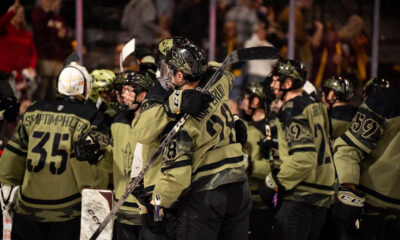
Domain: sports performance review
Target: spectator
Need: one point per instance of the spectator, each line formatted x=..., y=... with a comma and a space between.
x=258, y=70
x=244, y=15
x=51, y=38
x=300, y=33
x=228, y=44
x=327, y=54
x=354, y=46
x=17, y=48
x=139, y=19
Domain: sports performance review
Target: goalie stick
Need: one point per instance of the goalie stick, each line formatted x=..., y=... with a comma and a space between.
x=247, y=54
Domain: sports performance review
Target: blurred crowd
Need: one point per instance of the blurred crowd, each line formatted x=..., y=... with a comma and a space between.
x=33, y=52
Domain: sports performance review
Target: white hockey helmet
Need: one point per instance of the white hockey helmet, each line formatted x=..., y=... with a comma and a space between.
x=74, y=80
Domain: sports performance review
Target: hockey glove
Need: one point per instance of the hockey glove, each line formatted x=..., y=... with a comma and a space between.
x=269, y=190
x=88, y=148
x=190, y=101
x=144, y=197
x=241, y=131
x=266, y=147
x=11, y=107
x=348, y=208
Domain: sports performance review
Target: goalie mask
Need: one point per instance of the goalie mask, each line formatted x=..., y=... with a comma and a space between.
x=74, y=81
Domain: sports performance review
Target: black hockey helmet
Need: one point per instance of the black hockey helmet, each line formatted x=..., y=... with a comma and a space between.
x=373, y=85
x=165, y=45
x=188, y=58
x=139, y=81
x=292, y=69
x=341, y=86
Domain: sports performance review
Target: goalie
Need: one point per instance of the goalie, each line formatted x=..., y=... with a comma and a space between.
x=41, y=159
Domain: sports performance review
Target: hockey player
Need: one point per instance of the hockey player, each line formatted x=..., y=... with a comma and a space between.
x=41, y=158
x=367, y=164
x=337, y=94
x=127, y=154
x=258, y=164
x=304, y=181
x=202, y=173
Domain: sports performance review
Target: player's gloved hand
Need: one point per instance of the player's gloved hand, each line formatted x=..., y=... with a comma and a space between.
x=144, y=197
x=241, y=131
x=11, y=107
x=189, y=101
x=349, y=209
x=87, y=148
x=269, y=190
x=266, y=147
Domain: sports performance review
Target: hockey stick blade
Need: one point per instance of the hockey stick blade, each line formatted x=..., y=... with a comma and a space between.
x=247, y=54
x=254, y=53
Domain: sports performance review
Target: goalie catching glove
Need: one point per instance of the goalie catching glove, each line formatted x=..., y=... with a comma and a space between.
x=90, y=147
x=348, y=208
x=189, y=101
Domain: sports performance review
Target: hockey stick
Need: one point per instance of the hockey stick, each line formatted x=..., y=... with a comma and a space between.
x=125, y=52
x=247, y=54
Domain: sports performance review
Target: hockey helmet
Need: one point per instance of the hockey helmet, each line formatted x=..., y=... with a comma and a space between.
x=164, y=46
x=373, y=85
x=140, y=82
x=74, y=80
x=341, y=86
x=103, y=80
x=292, y=69
x=188, y=58
x=255, y=89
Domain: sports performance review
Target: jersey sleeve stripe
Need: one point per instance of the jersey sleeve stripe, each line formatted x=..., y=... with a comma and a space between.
x=379, y=196
x=349, y=142
x=303, y=149
x=218, y=164
x=177, y=165
x=50, y=202
x=16, y=151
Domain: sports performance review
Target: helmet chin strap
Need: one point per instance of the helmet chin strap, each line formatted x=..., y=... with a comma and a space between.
x=177, y=87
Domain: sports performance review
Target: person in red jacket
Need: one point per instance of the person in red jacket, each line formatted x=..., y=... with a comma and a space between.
x=17, y=48
x=50, y=33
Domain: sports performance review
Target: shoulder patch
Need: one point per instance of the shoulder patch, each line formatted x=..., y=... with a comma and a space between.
x=293, y=108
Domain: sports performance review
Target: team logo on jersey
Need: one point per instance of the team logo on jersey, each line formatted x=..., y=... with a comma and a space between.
x=127, y=156
x=60, y=107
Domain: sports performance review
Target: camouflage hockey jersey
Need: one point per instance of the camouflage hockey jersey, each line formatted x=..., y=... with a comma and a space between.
x=257, y=167
x=368, y=153
x=204, y=154
x=307, y=171
x=148, y=127
x=125, y=152
x=341, y=117
x=40, y=158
